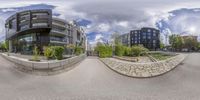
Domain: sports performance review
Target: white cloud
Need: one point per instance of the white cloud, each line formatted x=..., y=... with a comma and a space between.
x=108, y=16
x=7, y=9
x=103, y=27
x=98, y=38
x=123, y=24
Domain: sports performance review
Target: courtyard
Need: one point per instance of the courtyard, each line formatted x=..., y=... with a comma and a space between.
x=92, y=80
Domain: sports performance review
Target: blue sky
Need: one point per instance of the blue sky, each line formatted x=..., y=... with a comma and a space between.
x=100, y=18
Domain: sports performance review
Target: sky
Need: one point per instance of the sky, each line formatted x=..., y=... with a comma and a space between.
x=101, y=18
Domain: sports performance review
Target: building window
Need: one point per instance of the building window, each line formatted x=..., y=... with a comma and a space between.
x=24, y=27
x=154, y=34
x=148, y=30
x=154, y=41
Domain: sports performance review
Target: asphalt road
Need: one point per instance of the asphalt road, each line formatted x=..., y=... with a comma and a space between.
x=92, y=80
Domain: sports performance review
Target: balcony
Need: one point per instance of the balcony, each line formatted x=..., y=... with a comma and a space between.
x=57, y=33
x=38, y=25
x=40, y=17
x=59, y=25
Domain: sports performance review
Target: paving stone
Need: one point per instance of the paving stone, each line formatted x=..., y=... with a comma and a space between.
x=143, y=69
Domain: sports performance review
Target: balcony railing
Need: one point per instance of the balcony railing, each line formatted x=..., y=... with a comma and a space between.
x=56, y=32
x=60, y=25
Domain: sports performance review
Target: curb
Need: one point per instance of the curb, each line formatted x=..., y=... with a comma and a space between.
x=141, y=77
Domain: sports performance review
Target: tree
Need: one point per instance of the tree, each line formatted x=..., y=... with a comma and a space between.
x=78, y=50
x=127, y=51
x=138, y=50
x=162, y=45
x=7, y=45
x=176, y=41
x=119, y=50
x=115, y=36
x=104, y=50
x=179, y=42
x=172, y=39
x=198, y=46
x=190, y=43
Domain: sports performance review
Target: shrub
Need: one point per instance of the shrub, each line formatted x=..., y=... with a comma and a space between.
x=35, y=54
x=144, y=50
x=78, y=50
x=58, y=52
x=48, y=52
x=4, y=45
x=127, y=51
x=138, y=50
x=119, y=50
x=104, y=51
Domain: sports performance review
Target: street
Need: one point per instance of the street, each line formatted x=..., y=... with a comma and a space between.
x=92, y=80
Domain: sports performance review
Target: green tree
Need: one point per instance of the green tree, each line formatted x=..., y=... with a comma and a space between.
x=5, y=45
x=190, y=43
x=179, y=42
x=138, y=50
x=119, y=50
x=198, y=46
x=127, y=51
x=104, y=50
x=162, y=45
x=176, y=41
x=78, y=50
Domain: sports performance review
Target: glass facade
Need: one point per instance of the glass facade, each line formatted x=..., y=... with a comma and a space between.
x=24, y=43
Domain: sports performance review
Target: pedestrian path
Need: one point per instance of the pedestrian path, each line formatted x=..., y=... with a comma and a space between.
x=91, y=79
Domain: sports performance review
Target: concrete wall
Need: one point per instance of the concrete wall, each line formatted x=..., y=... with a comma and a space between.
x=44, y=67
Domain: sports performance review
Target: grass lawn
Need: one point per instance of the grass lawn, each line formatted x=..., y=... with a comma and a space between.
x=160, y=56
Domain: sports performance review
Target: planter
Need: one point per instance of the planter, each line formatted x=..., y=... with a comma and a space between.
x=34, y=60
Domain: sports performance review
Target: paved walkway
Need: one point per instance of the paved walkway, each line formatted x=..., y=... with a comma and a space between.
x=92, y=80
